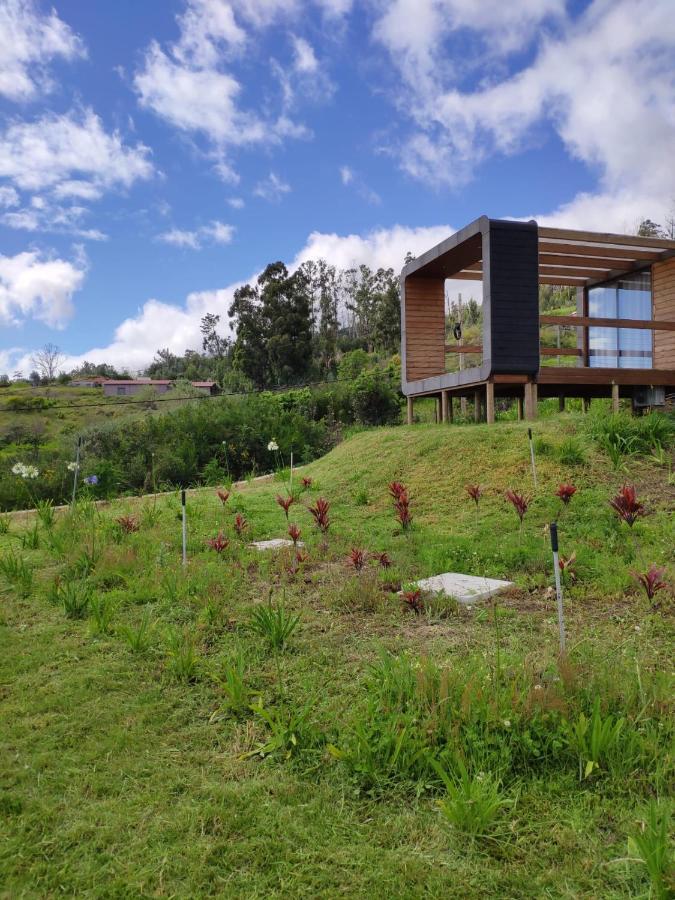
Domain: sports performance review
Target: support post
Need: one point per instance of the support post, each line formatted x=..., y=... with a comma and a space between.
x=519, y=407
x=444, y=406
x=585, y=404
x=451, y=408
x=615, y=398
x=561, y=403
x=410, y=410
x=437, y=410
x=476, y=406
x=530, y=401
x=490, y=402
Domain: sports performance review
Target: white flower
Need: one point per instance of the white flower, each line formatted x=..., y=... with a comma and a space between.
x=272, y=445
x=17, y=469
x=72, y=467
x=538, y=687
x=507, y=723
x=31, y=472
x=24, y=471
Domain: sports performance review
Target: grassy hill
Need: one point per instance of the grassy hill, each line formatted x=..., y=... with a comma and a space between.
x=157, y=743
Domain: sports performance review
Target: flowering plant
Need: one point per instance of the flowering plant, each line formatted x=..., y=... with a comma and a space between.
x=24, y=471
x=414, y=601
x=272, y=446
x=91, y=479
x=320, y=514
x=73, y=466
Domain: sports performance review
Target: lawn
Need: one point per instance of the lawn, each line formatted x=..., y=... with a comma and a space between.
x=264, y=725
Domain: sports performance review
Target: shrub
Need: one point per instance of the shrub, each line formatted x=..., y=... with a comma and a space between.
x=626, y=505
x=374, y=400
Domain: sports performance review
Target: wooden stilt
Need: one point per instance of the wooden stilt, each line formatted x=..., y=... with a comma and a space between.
x=585, y=404
x=561, y=403
x=490, y=403
x=444, y=406
x=476, y=406
x=519, y=406
x=530, y=401
x=410, y=410
x=615, y=398
x=451, y=408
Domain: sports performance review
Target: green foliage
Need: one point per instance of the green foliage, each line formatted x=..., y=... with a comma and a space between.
x=30, y=539
x=17, y=573
x=274, y=624
x=353, y=364
x=139, y=638
x=595, y=739
x=45, y=513
x=473, y=802
x=75, y=597
x=374, y=400
x=27, y=403
x=183, y=659
x=291, y=731
x=231, y=678
x=651, y=845
x=102, y=611
x=571, y=452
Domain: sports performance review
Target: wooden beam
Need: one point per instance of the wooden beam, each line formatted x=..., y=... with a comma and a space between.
x=615, y=253
x=490, y=403
x=463, y=348
x=579, y=272
x=530, y=401
x=586, y=262
x=594, y=322
x=560, y=351
x=593, y=237
x=561, y=281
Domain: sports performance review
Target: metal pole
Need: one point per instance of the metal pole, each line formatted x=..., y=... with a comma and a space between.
x=77, y=469
x=534, y=465
x=182, y=498
x=558, y=586
x=291, y=480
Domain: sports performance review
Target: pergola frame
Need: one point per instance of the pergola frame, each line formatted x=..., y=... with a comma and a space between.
x=512, y=259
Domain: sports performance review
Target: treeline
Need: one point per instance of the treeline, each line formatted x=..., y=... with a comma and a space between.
x=292, y=327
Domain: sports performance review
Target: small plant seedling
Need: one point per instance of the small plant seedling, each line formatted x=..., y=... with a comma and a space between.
x=473, y=803
x=274, y=624
x=232, y=679
x=75, y=597
x=294, y=533
x=414, y=600
x=183, y=657
x=627, y=506
x=357, y=558
x=594, y=739
x=30, y=540
x=127, y=524
x=650, y=845
x=218, y=543
x=138, y=638
x=45, y=512
x=240, y=524
x=319, y=513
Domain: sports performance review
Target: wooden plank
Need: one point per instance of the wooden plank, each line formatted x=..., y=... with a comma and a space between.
x=592, y=322
x=464, y=348
x=593, y=237
x=560, y=351
x=615, y=253
x=663, y=299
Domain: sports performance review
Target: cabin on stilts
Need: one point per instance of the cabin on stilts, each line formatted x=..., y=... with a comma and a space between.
x=619, y=342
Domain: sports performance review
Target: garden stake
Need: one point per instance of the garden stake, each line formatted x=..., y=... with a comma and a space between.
x=558, y=589
x=77, y=469
x=182, y=498
x=291, y=471
x=534, y=466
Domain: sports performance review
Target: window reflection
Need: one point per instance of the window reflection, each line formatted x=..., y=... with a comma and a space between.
x=628, y=297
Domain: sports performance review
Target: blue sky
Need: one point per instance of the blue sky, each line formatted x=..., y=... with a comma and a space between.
x=155, y=154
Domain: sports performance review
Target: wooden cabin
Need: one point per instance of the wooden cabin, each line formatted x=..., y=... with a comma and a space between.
x=619, y=341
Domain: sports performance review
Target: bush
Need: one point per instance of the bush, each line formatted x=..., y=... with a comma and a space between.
x=18, y=404
x=374, y=400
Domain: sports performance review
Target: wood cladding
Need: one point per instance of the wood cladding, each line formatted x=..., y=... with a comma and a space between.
x=663, y=294
x=424, y=327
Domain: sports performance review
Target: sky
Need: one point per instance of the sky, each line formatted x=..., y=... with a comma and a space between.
x=154, y=155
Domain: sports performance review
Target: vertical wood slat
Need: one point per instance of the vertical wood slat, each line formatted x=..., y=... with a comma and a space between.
x=663, y=297
x=424, y=327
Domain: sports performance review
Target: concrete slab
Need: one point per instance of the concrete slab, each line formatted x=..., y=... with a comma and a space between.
x=274, y=544
x=464, y=588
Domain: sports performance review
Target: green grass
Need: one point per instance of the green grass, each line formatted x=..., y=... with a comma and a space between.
x=201, y=760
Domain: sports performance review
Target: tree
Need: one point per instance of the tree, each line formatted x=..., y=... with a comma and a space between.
x=323, y=283
x=286, y=309
x=47, y=361
x=386, y=324
x=212, y=343
x=647, y=228
x=249, y=355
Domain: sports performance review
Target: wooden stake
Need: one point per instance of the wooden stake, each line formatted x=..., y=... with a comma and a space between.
x=558, y=587
x=490, y=402
x=615, y=398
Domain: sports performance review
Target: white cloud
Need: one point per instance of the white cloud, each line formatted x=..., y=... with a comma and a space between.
x=34, y=286
x=604, y=83
x=236, y=202
x=44, y=215
x=29, y=40
x=349, y=177
x=346, y=175
x=175, y=326
x=215, y=232
x=65, y=152
x=271, y=188
x=305, y=59
x=8, y=197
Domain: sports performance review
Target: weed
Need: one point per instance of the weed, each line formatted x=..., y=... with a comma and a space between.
x=292, y=733
x=102, y=610
x=127, y=524
x=30, y=540
x=473, y=802
x=17, y=573
x=361, y=497
x=594, y=738
x=571, y=452
x=138, y=638
x=357, y=558
x=45, y=513
x=232, y=679
x=650, y=845
x=274, y=624
x=183, y=658
x=75, y=597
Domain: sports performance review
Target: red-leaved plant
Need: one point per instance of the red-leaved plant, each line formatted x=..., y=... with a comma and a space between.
x=128, y=524
x=294, y=533
x=223, y=495
x=627, y=506
x=306, y=483
x=285, y=503
x=240, y=524
x=396, y=489
x=384, y=559
x=320, y=514
x=567, y=566
x=414, y=600
x=402, y=509
x=520, y=503
x=651, y=580
x=475, y=491
x=219, y=543
x=566, y=492
x=357, y=558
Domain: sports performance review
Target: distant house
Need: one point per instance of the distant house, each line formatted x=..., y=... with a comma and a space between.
x=129, y=387
x=88, y=381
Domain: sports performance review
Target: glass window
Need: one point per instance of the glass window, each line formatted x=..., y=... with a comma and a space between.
x=629, y=297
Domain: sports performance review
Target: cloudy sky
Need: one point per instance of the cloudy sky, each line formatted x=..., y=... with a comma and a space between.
x=155, y=154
